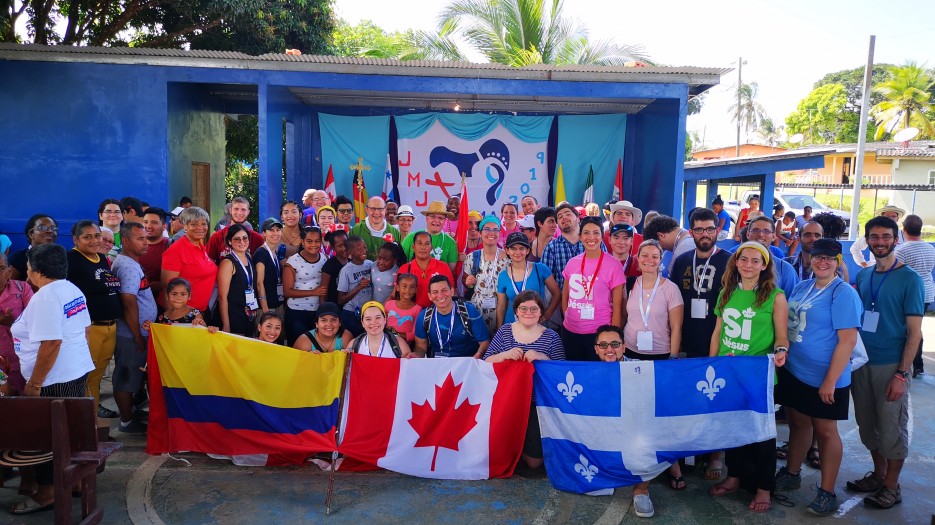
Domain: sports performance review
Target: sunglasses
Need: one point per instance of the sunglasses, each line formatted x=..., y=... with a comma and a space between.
x=613, y=344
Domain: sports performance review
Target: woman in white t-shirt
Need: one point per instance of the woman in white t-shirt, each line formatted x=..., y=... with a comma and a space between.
x=51, y=340
x=376, y=340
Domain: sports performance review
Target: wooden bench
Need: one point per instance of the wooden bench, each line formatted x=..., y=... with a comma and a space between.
x=67, y=427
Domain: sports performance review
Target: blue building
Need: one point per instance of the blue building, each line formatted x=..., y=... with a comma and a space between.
x=82, y=124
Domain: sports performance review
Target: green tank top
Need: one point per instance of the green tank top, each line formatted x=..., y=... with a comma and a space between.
x=746, y=329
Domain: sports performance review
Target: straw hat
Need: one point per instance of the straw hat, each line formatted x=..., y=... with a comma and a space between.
x=436, y=208
x=627, y=205
x=889, y=208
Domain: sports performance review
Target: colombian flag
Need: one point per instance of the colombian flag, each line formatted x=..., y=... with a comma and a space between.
x=230, y=395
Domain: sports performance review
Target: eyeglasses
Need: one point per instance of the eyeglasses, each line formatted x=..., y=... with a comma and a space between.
x=245, y=238
x=762, y=232
x=528, y=309
x=374, y=208
x=886, y=237
x=112, y=212
x=710, y=231
x=53, y=229
x=823, y=258
x=345, y=210
x=613, y=344
x=491, y=230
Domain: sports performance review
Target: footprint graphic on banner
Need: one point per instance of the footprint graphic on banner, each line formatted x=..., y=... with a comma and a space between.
x=493, y=150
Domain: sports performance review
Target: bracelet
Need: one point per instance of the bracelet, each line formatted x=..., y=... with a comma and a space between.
x=38, y=387
x=780, y=349
x=901, y=378
x=261, y=297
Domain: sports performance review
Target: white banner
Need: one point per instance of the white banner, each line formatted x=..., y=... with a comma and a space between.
x=500, y=168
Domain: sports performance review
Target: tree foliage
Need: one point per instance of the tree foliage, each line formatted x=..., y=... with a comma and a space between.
x=826, y=116
x=907, y=101
x=748, y=110
x=366, y=39
x=523, y=32
x=853, y=82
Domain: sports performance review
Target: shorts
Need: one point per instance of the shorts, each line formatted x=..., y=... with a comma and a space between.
x=883, y=425
x=532, y=445
x=803, y=398
x=127, y=364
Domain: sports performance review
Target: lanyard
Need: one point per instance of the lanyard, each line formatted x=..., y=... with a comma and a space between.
x=645, y=313
x=490, y=280
x=696, y=282
x=875, y=292
x=249, y=277
x=802, y=269
x=275, y=259
x=626, y=264
x=382, y=344
x=807, y=300
x=589, y=283
x=513, y=282
x=451, y=328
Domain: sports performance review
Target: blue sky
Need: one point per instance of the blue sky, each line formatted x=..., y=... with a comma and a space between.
x=787, y=46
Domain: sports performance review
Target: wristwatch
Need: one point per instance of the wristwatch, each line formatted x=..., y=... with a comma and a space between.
x=903, y=373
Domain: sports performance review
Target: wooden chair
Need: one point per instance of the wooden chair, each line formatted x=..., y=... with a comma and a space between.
x=67, y=427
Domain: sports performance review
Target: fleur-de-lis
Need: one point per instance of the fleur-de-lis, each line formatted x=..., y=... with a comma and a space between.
x=585, y=468
x=569, y=389
x=712, y=386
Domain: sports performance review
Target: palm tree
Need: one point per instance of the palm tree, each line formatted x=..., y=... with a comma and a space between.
x=768, y=131
x=907, y=101
x=524, y=32
x=749, y=112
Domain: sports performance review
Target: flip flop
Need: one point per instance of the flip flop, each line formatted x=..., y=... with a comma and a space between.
x=713, y=470
x=782, y=451
x=759, y=506
x=720, y=490
x=28, y=506
x=677, y=482
x=814, y=459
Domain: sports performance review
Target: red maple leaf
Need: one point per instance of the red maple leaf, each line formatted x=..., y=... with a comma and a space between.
x=446, y=425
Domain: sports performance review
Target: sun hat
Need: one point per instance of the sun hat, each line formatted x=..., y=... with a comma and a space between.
x=889, y=208
x=627, y=205
x=527, y=223
x=405, y=211
x=436, y=208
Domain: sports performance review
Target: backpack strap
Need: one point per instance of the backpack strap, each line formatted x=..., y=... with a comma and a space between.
x=465, y=317
x=315, y=344
x=355, y=344
x=394, y=341
x=426, y=322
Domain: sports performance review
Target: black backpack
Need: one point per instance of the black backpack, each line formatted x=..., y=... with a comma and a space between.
x=317, y=346
x=390, y=336
x=462, y=311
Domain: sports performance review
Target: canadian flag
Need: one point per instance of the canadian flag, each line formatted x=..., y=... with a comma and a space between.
x=458, y=418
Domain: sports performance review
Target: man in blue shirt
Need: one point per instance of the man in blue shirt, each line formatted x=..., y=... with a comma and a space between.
x=761, y=230
x=891, y=331
x=445, y=334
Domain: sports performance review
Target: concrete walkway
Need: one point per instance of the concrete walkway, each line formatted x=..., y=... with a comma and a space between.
x=140, y=489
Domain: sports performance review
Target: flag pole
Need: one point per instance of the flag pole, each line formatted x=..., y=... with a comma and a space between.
x=337, y=433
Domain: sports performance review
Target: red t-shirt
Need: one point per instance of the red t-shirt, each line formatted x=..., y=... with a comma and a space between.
x=193, y=264
x=435, y=267
x=151, y=261
x=218, y=248
x=637, y=240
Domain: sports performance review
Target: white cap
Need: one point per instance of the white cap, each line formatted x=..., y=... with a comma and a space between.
x=176, y=211
x=405, y=211
x=528, y=221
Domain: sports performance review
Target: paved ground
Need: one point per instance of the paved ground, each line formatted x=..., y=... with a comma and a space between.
x=139, y=489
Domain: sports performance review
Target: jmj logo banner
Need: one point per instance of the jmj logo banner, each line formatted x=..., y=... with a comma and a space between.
x=503, y=157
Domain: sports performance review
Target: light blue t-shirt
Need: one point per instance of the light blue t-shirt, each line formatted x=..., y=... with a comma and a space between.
x=724, y=216
x=538, y=273
x=814, y=319
x=901, y=295
x=786, y=278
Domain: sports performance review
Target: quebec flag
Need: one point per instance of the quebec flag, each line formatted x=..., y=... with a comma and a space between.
x=608, y=425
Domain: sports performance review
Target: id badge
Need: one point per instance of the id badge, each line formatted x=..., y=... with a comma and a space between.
x=440, y=355
x=644, y=341
x=871, y=319
x=488, y=303
x=587, y=312
x=251, y=300
x=699, y=308
x=279, y=292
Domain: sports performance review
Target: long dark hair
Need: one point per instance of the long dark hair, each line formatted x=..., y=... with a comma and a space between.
x=731, y=281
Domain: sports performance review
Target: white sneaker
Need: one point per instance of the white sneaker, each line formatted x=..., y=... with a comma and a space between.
x=643, y=506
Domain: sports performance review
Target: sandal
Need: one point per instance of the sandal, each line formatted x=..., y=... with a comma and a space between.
x=759, y=506
x=677, y=482
x=782, y=451
x=721, y=490
x=814, y=460
x=28, y=506
x=713, y=470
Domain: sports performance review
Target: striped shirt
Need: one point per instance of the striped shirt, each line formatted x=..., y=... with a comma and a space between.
x=549, y=343
x=920, y=256
x=557, y=254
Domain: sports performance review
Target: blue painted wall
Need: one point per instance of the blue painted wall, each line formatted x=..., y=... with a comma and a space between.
x=658, y=146
x=74, y=134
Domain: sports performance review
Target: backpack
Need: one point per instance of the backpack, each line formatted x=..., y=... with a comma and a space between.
x=461, y=308
x=390, y=333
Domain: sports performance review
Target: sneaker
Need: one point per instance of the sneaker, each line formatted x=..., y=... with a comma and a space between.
x=884, y=498
x=643, y=506
x=786, y=480
x=917, y=372
x=824, y=504
x=133, y=427
x=868, y=483
x=105, y=412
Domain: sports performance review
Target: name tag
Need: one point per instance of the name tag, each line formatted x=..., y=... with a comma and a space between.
x=279, y=292
x=871, y=319
x=440, y=355
x=587, y=312
x=251, y=300
x=644, y=341
x=489, y=302
x=699, y=308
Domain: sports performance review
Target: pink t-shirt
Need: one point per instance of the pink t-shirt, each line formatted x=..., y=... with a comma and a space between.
x=403, y=321
x=609, y=276
x=667, y=297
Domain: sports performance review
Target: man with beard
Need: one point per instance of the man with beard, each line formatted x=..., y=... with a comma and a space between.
x=802, y=263
x=561, y=250
x=529, y=204
x=891, y=331
x=154, y=225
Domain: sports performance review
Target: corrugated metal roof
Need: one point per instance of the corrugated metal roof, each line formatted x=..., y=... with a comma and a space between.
x=695, y=76
x=925, y=150
x=752, y=159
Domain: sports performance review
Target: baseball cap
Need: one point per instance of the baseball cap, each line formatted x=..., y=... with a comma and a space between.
x=620, y=227
x=405, y=211
x=269, y=223
x=826, y=247
x=176, y=211
x=329, y=309
x=517, y=238
x=527, y=223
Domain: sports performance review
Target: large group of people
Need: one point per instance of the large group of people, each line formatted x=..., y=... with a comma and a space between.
x=533, y=283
